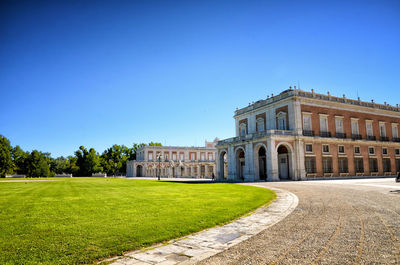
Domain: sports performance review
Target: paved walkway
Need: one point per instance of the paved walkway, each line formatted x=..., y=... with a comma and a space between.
x=336, y=222
x=201, y=245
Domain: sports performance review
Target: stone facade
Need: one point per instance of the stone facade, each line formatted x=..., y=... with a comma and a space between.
x=299, y=134
x=173, y=161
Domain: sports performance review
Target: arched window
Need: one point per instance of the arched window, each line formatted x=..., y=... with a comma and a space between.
x=243, y=130
x=260, y=125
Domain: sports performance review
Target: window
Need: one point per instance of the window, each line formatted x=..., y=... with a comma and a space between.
x=371, y=150
x=192, y=157
x=243, y=130
x=359, y=165
x=166, y=156
x=325, y=148
x=327, y=164
x=370, y=131
x=309, y=148
x=310, y=164
x=384, y=151
x=282, y=121
x=343, y=168
x=356, y=149
x=382, y=129
x=260, y=125
x=339, y=125
x=373, y=165
x=323, y=121
x=150, y=156
x=395, y=131
x=354, y=126
x=174, y=157
x=181, y=157
x=203, y=157
x=398, y=165
x=386, y=165
x=307, y=122
x=210, y=157
x=397, y=152
x=341, y=149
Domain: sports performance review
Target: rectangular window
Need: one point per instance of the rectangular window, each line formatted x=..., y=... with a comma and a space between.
x=398, y=165
x=309, y=148
x=386, y=165
x=339, y=125
x=181, y=157
x=174, y=157
x=343, y=166
x=307, y=122
x=371, y=150
x=382, y=129
x=359, y=165
x=310, y=164
x=150, y=156
x=166, y=156
x=356, y=149
x=327, y=164
x=395, y=131
x=192, y=157
x=325, y=148
x=373, y=165
x=341, y=149
x=354, y=126
x=323, y=120
x=384, y=151
x=203, y=157
x=370, y=131
x=397, y=152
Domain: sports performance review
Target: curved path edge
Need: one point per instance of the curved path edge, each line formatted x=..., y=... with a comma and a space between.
x=206, y=243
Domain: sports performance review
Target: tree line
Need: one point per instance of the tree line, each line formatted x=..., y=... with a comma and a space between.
x=84, y=162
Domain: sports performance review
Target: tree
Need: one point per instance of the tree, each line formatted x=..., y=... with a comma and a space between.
x=20, y=160
x=59, y=165
x=114, y=159
x=72, y=166
x=38, y=165
x=88, y=161
x=6, y=163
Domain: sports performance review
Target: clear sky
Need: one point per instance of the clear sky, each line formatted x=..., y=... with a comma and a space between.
x=98, y=73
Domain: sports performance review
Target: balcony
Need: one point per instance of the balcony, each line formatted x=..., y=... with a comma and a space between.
x=340, y=135
x=325, y=134
x=308, y=133
x=384, y=138
x=395, y=139
x=356, y=136
x=252, y=136
x=371, y=137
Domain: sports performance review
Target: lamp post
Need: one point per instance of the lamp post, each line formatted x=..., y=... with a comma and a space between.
x=159, y=157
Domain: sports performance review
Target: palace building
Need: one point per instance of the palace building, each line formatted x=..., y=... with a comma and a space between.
x=297, y=135
x=174, y=161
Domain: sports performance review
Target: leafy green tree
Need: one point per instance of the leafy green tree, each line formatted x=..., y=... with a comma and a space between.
x=114, y=159
x=20, y=157
x=59, y=165
x=88, y=161
x=38, y=165
x=6, y=163
x=73, y=168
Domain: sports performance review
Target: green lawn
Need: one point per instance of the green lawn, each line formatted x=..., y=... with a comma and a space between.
x=81, y=220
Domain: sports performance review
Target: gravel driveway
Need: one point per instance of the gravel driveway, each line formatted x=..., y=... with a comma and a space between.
x=336, y=222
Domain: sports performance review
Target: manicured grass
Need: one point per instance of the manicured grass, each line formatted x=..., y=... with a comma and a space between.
x=81, y=220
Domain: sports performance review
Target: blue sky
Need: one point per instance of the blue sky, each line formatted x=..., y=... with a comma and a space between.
x=97, y=73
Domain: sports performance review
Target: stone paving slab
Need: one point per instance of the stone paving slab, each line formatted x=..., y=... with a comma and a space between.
x=206, y=243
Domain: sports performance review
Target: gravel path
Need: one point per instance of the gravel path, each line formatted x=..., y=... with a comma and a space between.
x=336, y=222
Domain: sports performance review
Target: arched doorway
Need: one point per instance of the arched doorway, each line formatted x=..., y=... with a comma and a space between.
x=223, y=165
x=182, y=172
x=139, y=171
x=262, y=163
x=283, y=162
x=240, y=163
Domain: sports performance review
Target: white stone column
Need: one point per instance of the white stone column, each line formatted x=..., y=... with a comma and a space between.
x=298, y=158
x=232, y=175
x=272, y=161
x=191, y=171
x=249, y=163
x=206, y=171
x=252, y=123
x=237, y=127
x=199, y=171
